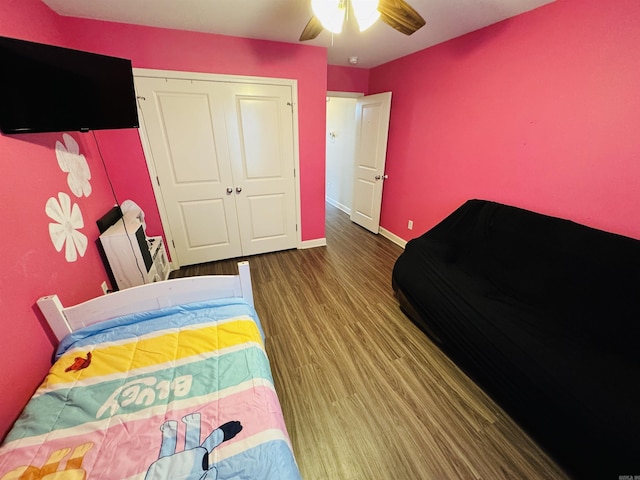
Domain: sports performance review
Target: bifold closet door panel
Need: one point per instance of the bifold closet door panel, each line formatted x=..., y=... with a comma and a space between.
x=261, y=146
x=186, y=130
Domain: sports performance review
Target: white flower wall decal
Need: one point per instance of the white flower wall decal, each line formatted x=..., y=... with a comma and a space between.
x=65, y=231
x=75, y=164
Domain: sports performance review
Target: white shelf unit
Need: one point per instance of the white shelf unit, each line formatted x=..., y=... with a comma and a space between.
x=133, y=258
x=160, y=268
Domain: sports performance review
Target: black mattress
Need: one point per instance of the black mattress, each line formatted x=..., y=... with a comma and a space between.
x=543, y=314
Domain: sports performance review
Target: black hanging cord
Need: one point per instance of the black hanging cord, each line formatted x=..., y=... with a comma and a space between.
x=115, y=198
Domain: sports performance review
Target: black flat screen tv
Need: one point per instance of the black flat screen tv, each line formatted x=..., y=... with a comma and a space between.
x=44, y=88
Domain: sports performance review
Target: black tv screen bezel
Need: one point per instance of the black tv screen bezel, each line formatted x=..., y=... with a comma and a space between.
x=85, y=91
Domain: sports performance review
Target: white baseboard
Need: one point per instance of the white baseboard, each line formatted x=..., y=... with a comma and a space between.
x=338, y=205
x=318, y=242
x=393, y=237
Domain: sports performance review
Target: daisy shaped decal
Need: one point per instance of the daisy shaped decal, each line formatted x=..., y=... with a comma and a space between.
x=64, y=232
x=75, y=164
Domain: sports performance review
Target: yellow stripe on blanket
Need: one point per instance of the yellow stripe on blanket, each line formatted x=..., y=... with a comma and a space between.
x=149, y=350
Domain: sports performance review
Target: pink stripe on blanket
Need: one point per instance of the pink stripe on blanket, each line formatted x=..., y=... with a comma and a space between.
x=127, y=449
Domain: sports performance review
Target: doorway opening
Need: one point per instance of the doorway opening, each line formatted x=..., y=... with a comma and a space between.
x=356, y=135
x=340, y=149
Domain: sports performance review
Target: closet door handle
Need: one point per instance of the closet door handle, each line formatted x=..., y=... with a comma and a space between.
x=229, y=190
x=238, y=189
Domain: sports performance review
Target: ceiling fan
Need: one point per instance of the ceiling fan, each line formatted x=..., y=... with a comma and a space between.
x=330, y=14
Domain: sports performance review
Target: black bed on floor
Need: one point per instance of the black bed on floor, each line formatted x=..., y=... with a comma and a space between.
x=544, y=315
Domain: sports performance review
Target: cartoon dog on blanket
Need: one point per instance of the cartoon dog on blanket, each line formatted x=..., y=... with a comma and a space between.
x=193, y=462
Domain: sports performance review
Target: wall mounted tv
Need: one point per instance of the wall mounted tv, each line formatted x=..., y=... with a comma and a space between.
x=44, y=88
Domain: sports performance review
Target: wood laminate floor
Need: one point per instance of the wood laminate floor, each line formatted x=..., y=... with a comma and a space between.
x=365, y=394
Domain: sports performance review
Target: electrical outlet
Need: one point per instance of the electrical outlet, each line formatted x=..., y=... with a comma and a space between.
x=105, y=289
x=410, y=225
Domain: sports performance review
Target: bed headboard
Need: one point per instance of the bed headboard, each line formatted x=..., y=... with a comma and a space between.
x=143, y=298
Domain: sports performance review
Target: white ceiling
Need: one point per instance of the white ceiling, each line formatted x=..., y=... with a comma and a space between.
x=284, y=20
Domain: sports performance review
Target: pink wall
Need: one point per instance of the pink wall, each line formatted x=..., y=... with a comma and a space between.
x=30, y=20
x=347, y=79
x=31, y=267
x=540, y=111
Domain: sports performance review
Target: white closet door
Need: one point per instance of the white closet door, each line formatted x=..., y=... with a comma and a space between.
x=186, y=131
x=372, y=131
x=260, y=132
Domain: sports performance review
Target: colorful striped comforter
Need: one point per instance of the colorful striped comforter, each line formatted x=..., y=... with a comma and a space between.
x=180, y=393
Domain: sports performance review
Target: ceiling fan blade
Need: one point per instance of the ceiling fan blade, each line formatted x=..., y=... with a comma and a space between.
x=312, y=30
x=400, y=15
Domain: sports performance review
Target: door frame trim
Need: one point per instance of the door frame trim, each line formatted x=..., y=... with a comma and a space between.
x=215, y=77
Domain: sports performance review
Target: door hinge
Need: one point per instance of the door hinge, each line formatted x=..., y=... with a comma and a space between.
x=173, y=243
x=158, y=180
x=296, y=227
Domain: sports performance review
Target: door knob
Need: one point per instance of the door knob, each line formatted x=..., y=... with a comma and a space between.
x=377, y=177
x=238, y=189
x=381, y=177
x=229, y=191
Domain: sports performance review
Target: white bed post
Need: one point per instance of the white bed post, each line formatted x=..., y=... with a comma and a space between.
x=245, y=282
x=51, y=308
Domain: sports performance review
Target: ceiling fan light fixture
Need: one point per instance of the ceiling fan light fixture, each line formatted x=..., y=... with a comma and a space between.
x=331, y=13
x=366, y=12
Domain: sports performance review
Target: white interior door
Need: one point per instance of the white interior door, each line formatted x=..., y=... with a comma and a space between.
x=186, y=130
x=260, y=129
x=372, y=131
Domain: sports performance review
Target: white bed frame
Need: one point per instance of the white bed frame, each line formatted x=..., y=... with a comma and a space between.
x=152, y=296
